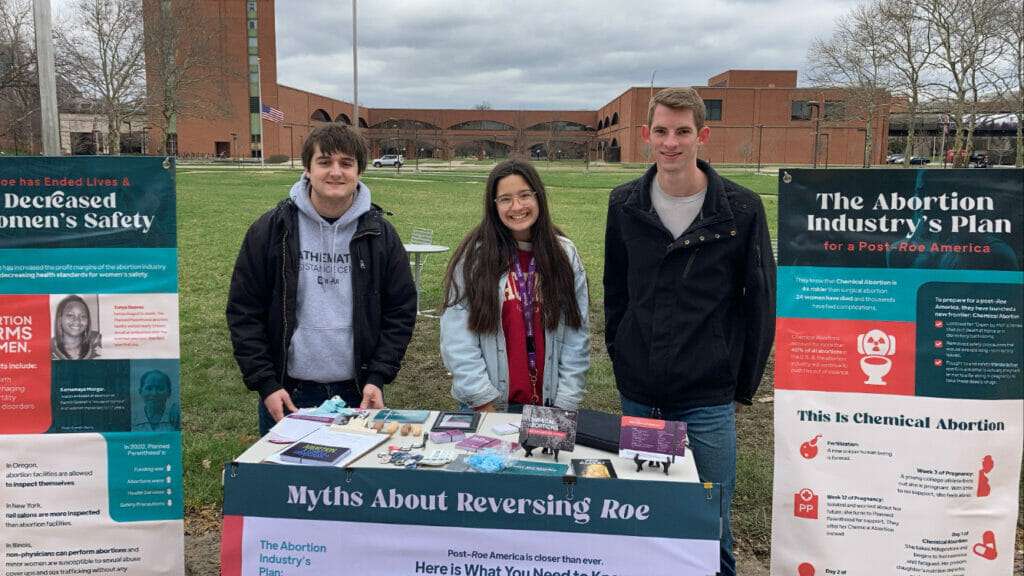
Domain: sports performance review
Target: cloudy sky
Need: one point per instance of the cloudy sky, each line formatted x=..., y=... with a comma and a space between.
x=547, y=54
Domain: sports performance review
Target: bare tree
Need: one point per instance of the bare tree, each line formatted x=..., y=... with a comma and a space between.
x=965, y=43
x=907, y=49
x=1007, y=75
x=100, y=49
x=19, y=92
x=17, y=53
x=186, y=72
x=854, y=59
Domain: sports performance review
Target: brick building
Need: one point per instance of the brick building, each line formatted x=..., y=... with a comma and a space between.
x=755, y=115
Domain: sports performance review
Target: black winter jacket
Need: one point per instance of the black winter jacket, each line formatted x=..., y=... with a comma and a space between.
x=261, y=307
x=689, y=321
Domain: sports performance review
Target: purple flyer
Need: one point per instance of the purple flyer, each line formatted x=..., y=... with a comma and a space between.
x=647, y=436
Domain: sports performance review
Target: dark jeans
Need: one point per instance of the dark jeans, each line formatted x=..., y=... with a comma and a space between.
x=711, y=431
x=306, y=394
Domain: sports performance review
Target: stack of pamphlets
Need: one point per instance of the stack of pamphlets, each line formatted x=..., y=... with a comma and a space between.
x=346, y=445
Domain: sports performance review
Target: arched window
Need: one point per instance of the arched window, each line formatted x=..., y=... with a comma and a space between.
x=320, y=115
x=482, y=125
x=344, y=119
x=404, y=124
x=607, y=122
x=615, y=118
x=558, y=126
x=615, y=143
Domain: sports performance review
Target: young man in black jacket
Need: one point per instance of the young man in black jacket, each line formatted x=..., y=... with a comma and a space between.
x=689, y=282
x=322, y=301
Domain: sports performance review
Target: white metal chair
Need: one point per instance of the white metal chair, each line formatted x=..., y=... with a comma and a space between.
x=422, y=236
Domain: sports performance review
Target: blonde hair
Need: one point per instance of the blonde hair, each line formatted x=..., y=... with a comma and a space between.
x=679, y=99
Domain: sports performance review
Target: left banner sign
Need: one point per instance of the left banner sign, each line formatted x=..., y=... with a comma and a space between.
x=90, y=419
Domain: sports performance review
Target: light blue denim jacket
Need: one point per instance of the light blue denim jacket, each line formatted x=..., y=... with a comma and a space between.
x=479, y=362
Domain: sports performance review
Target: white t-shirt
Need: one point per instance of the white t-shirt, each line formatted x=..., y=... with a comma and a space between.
x=676, y=212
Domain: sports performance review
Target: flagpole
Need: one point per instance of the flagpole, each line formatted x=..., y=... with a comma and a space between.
x=259, y=85
x=355, y=72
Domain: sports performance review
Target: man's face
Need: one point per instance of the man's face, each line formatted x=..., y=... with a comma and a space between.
x=674, y=138
x=333, y=179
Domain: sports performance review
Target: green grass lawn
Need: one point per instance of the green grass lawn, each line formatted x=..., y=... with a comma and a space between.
x=215, y=207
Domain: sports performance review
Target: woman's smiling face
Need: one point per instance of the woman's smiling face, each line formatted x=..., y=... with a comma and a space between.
x=517, y=205
x=74, y=320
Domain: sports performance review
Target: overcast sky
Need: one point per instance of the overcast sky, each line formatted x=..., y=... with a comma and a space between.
x=546, y=54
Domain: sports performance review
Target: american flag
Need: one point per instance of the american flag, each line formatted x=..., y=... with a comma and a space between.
x=272, y=114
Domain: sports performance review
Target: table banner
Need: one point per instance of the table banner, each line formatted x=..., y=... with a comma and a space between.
x=291, y=520
x=90, y=420
x=899, y=400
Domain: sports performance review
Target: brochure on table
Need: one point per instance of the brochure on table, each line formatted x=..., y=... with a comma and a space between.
x=354, y=445
x=898, y=392
x=90, y=419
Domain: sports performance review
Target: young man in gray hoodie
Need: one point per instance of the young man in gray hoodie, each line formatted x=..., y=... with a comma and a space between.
x=322, y=301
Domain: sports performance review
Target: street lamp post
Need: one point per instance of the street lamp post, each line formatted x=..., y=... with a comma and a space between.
x=291, y=145
x=234, y=143
x=817, y=127
x=760, y=133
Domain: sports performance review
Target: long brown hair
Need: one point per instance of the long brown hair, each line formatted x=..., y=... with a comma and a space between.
x=487, y=252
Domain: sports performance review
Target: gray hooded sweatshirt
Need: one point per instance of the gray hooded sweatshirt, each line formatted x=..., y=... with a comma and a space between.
x=321, y=347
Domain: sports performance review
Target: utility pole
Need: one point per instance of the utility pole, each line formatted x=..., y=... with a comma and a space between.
x=47, y=79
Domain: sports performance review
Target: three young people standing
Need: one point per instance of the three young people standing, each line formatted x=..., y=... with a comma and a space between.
x=689, y=283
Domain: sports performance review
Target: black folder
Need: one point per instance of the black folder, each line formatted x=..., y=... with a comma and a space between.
x=598, y=430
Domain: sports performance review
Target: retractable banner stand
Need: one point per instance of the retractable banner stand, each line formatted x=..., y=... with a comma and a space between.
x=898, y=403
x=90, y=431
x=313, y=520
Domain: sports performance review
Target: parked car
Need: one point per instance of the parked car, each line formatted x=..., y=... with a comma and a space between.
x=395, y=160
x=894, y=159
x=978, y=159
x=919, y=160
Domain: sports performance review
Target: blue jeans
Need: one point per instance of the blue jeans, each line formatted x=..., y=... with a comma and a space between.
x=711, y=431
x=311, y=397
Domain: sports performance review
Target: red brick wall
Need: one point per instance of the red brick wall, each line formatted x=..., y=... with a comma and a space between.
x=748, y=100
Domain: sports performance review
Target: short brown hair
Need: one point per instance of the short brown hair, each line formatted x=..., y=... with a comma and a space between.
x=679, y=99
x=334, y=138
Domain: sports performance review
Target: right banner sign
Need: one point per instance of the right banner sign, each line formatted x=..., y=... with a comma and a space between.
x=898, y=389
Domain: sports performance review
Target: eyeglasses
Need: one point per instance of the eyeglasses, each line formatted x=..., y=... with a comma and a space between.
x=526, y=197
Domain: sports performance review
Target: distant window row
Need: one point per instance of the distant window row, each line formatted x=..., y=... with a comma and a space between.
x=608, y=121
x=554, y=126
x=802, y=110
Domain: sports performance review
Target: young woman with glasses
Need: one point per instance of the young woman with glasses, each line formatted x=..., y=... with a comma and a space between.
x=514, y=329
